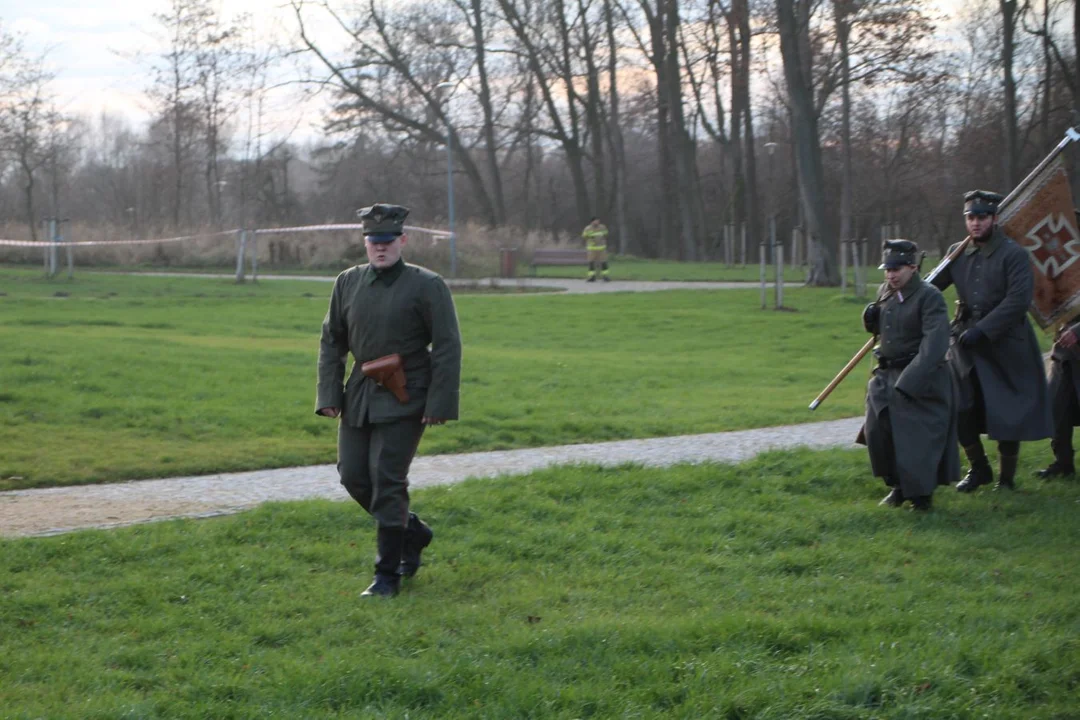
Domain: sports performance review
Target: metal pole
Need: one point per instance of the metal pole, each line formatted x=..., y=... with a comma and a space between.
x=778, y=256
x=743, y=248
x=70, y=253
x=843, y=265
x=761, y=258
x=254, y=256
x=52, y=247
x=450, y=196
x=241, y=243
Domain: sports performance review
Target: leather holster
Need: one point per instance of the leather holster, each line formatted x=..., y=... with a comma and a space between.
x=389, y=372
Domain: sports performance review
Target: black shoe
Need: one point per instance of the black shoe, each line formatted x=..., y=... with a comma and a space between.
x=591, y=279
x=607, y=279
x=1056, y=470
x=417, y=537
x=977, y=476
x=1007, y=479
x=895, y=498
x=384, y=586
x=922, y=503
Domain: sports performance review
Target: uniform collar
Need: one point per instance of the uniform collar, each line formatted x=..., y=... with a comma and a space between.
x=910, y=288
x=388, y=276
x=991, y=245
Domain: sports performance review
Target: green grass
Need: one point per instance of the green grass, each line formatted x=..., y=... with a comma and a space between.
x=772, y=590
x=111, y=378
x=633, y=268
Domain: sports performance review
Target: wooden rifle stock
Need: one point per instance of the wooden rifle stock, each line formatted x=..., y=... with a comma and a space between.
x=870, y=343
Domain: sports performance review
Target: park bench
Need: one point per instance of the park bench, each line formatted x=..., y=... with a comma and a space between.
x=557, y=256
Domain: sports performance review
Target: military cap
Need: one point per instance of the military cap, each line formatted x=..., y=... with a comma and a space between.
x=897, y=253
x=982, y=202
x=383, y=222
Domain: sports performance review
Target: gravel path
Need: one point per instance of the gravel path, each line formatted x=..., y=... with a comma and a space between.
x=52, y=511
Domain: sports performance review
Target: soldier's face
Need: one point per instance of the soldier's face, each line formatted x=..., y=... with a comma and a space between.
x=898, y=277
x=383, y=255
x=979, y=225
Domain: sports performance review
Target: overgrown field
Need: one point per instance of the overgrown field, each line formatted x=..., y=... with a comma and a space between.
x=772, y=590
x=116, y=377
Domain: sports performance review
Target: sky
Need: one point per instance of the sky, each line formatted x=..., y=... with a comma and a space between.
x=94, y=48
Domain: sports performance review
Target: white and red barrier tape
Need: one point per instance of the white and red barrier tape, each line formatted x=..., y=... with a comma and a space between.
x=88, y=243
x=261, y=231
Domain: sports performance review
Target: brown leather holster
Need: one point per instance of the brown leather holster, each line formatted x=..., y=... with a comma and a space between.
x=389, y=372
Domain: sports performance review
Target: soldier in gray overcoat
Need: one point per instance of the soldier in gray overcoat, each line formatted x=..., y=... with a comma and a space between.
x=910, y=427
x=384, y=308
x=995, y=356
x=1064, y=386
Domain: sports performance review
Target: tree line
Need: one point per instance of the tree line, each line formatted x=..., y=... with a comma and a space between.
x=669, y=119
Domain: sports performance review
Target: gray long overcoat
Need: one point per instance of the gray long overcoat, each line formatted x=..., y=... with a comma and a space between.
x=1065, y=367
x=920, y=398
x=996, y=283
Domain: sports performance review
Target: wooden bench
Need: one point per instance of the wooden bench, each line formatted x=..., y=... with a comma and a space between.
x=557, y=256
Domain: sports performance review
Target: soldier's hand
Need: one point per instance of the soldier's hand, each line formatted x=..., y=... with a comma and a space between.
x=330, y=412
x=871, y=318
x=1067, y=339
x=972, y=337
x=432, y=420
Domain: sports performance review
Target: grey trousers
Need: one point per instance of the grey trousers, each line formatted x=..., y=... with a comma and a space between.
x=373, y=463
x=1065, y=408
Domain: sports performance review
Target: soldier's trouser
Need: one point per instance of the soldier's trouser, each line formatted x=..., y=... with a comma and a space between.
x=970, y=422
x=373, y=462
x=879, y=441
x=1065, y=407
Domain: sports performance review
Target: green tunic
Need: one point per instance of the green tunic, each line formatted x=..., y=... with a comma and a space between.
x=916, y=446
x=403, y=309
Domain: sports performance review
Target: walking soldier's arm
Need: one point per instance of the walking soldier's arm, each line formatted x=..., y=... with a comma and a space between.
x=333, y=349
x=932, y=349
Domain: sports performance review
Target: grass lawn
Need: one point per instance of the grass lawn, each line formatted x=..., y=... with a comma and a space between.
x=776, y=589
x=111, y=378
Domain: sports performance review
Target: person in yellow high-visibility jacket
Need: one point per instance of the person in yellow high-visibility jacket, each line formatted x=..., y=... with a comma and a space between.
x=595, y=236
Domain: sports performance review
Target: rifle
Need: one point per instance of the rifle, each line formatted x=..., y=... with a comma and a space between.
x=872, y=341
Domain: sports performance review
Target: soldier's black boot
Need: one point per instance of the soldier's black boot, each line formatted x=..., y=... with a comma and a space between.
x=922, y=502
x=1056, y=469
x=980, y=472
x=417, y=537
x=895, y=498
x=391, y=542
x=1007, y=479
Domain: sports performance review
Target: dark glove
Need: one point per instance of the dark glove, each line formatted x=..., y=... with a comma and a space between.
x=871, y=318
x=972, y=337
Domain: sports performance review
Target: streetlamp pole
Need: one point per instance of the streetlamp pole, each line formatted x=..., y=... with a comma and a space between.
x=450, y=182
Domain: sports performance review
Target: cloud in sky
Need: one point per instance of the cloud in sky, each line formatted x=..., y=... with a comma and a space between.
x=100, y=50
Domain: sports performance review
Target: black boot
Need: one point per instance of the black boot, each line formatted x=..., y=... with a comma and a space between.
x=895, y=498
x=980, y=472
x=1007, y=479
x=1056, y=469
x=417, y=537
x=922, y=502
x=387, y=581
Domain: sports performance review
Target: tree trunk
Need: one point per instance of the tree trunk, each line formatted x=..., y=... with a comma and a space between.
x=1008, y=49
x=615, y=136
x=490, y=149
x=794, y=47
x=842, y=10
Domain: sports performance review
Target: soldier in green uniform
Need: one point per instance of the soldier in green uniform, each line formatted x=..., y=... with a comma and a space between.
x=376, y=310
x=995, y=356
x=595, y=236
x=910, y=428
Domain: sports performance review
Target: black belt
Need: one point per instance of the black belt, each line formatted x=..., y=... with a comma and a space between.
x=894, y=363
